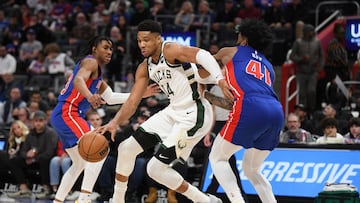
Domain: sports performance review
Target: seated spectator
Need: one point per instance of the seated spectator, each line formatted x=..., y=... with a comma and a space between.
x=6, y=109
x=329, y=111
x=249, y=10
x=36, y=66
x=353, y=136
x=17, y=136
x=29, y=50
x=274, y=15
x=6, y=84
x=185, y=17
x=330, y=134
x=39, y=147
x=301, y=111
x=35, y=96
x=22, y=114
x=7, y=61
x=294, y=132
x=56, y=62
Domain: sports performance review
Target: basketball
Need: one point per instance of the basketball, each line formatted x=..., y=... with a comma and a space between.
x=93, y=147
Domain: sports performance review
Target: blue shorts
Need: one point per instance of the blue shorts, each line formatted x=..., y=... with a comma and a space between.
x=255, y=122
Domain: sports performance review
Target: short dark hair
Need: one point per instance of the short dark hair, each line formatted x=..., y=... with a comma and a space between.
x=257, y=32
x=328, y=122
x=354, y=121
x=150, y=25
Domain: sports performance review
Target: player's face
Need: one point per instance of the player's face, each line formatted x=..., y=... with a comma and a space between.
x=148, y=43
x=103, y=51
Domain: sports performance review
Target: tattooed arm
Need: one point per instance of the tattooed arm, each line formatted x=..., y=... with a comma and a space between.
x=218, y=101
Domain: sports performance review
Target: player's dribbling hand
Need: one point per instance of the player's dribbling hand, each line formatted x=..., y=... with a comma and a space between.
x=225, y=88
x=96, y=101
x=151, y=90
x=110, y=127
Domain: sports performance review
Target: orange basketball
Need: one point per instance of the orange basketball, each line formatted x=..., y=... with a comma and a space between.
x=93, y=147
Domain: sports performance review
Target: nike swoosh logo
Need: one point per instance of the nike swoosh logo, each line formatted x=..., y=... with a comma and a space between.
x=189, y=112
x=163, y=157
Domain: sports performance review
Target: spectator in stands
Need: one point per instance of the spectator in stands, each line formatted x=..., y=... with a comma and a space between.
x=60, y=7
x=17, y=136
x=120, y=8
x=115, y=69
x=353, y=136
x=13, y=42
x=7, y=61
x=336, y=62
x=249, y=10
x=140, y=13
x=81, y=32
x=204, y=16
x=301, y=111
x=25, y=15
x=57, y=62
x=23, y=114
x=29, y=50
x=307, y=54
x=330, y=134
x=6, y=84
x=294, y=132
x=45, y=5
x=159, y=9
x=35, y=96
x=96, y=19
x=4, y=24
x=295, y=15
x=59, y=164
x=274, y=14
x=225, y=21
x=39, y=147
x=85, y=5
x=36, y=66
x=329, y=111
x=184, y=17
x=105, y=27
x=14, y=101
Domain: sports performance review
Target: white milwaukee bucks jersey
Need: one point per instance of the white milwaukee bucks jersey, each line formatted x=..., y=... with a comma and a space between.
x=175, y=80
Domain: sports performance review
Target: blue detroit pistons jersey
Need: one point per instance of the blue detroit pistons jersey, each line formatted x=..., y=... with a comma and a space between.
x=68, y=117
x=256, y=118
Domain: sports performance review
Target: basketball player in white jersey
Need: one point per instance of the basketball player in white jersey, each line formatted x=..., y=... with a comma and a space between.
x=182, y=124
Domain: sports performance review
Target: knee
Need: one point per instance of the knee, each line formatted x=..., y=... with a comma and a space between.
x=154, y=166
x=125, y=148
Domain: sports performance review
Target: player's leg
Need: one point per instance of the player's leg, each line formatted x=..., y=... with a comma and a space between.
x=127, y=153
x=220, y=153
x=91, y=174
x=253, y=158
x=170, y=177
x=71, y=175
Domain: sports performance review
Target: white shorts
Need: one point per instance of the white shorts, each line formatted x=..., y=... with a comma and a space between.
x=192, y=123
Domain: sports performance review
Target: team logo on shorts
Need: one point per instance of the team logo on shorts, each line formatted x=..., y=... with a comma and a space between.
x=181, y=144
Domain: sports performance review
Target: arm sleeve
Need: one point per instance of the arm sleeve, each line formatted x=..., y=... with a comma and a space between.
x=208, y=80
x=205, y=59
x=112, y=98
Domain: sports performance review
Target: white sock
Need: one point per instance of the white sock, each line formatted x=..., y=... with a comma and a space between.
x=119, y=191
x=235, y=196
x=195, y=194
x=83, y=197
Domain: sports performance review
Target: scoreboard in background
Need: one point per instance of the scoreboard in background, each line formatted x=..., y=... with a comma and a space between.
x=184, y=38
x=301, y=172
x=352, y=34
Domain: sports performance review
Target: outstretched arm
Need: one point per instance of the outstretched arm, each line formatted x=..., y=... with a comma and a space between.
x=130, y=105
x=218, y=101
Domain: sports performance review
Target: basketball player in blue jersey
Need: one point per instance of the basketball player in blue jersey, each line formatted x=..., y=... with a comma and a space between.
x=84, y=88
x=256, y=116
x=178, y=127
